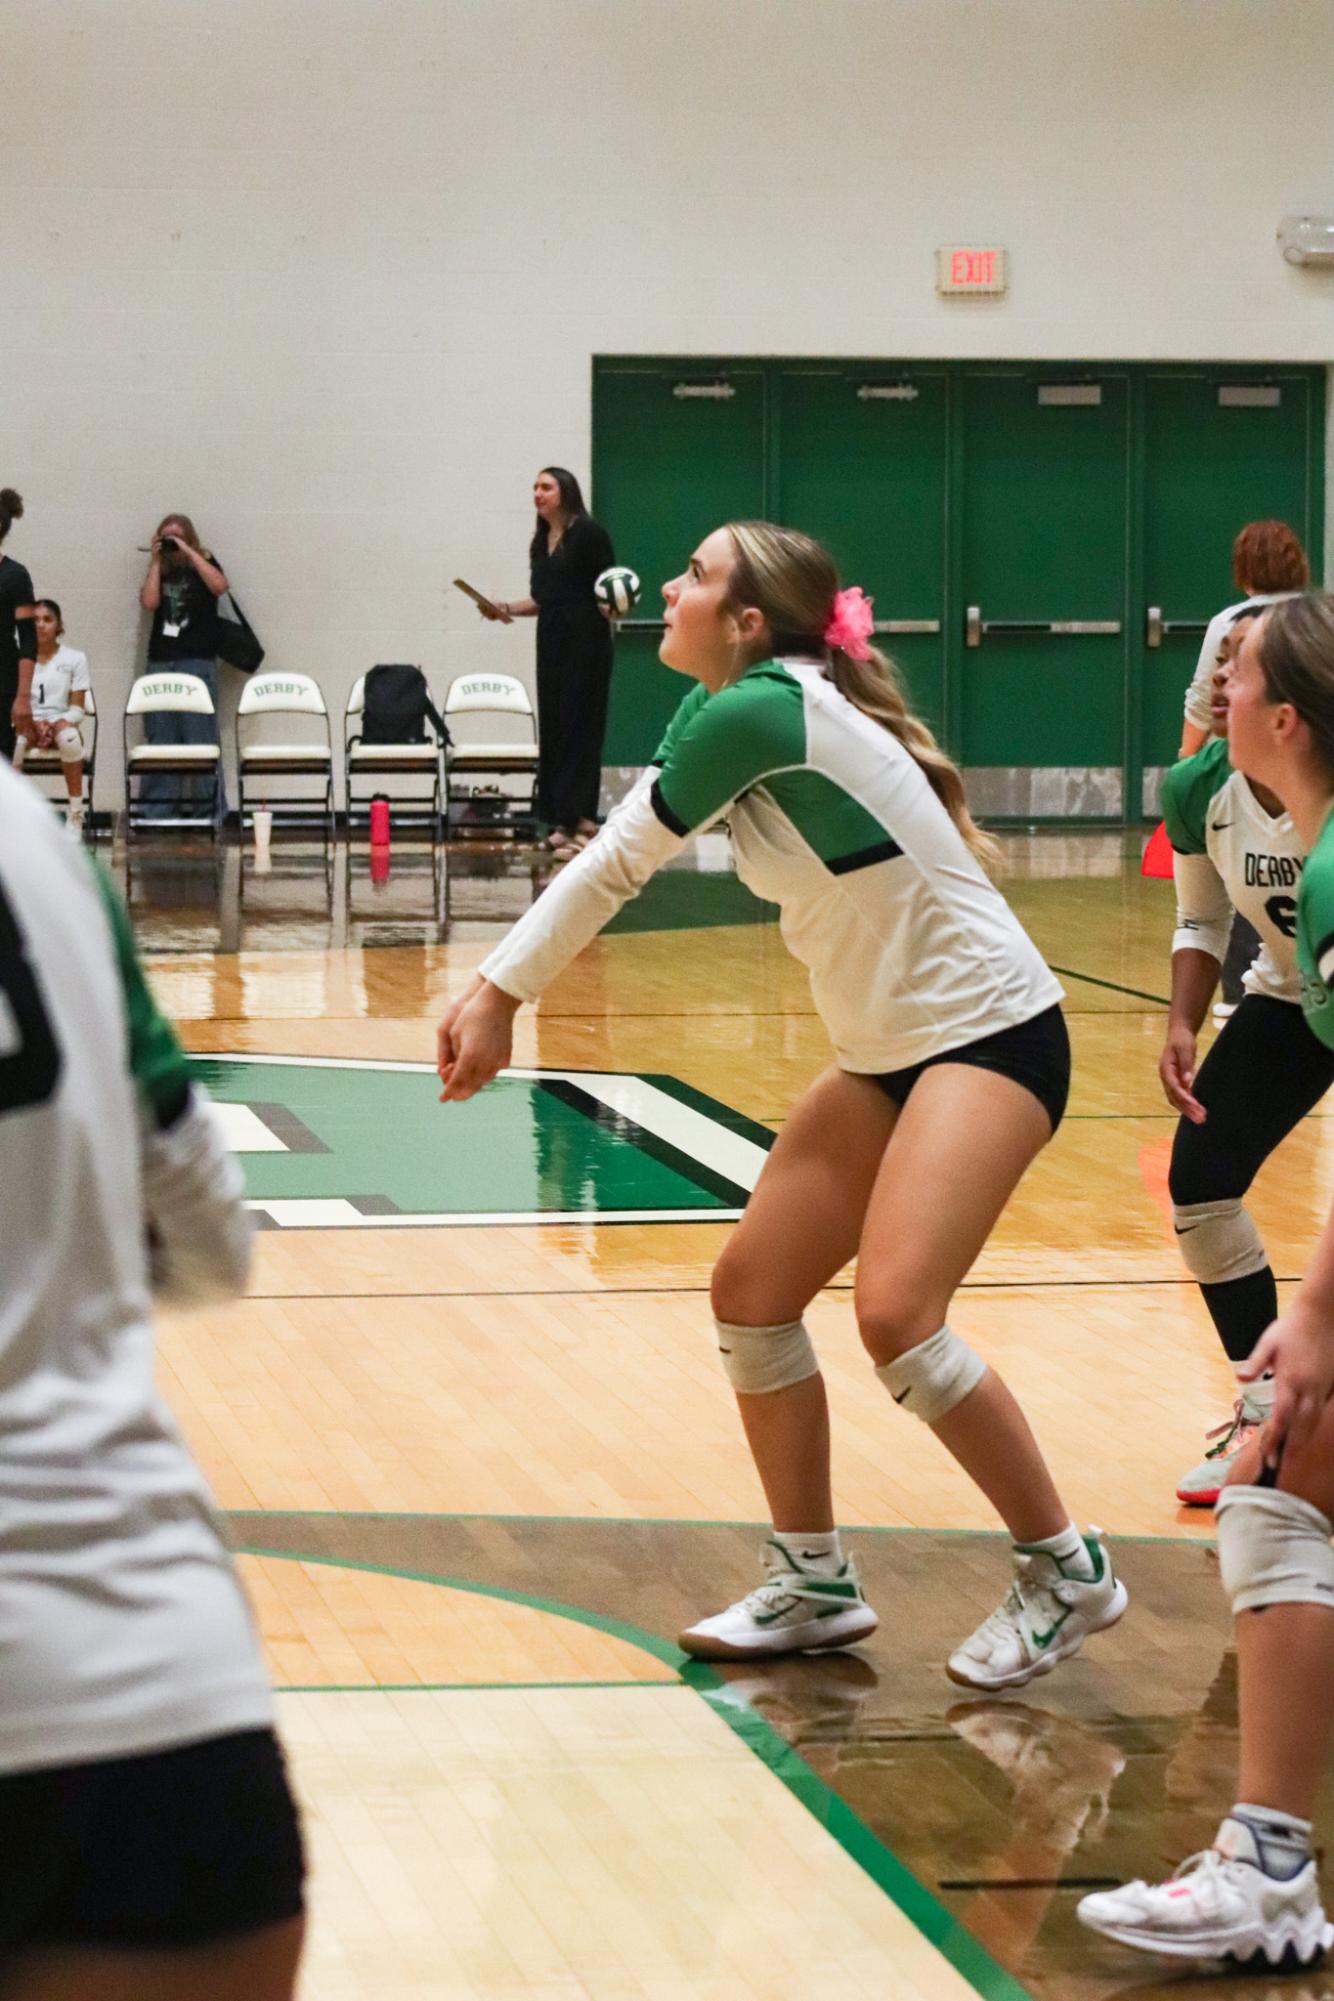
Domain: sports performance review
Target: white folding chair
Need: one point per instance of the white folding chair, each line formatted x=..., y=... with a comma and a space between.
x=382, y=761
x=491, y=755
x=168, y=692
x=277, y=699
x=45, y=764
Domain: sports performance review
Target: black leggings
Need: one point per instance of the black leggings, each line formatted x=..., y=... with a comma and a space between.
x=1263, y=1075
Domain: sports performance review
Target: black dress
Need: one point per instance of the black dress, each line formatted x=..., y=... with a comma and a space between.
x=15, y=592
x=573, y=672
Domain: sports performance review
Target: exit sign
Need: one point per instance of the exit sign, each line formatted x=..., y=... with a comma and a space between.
x=963, y=269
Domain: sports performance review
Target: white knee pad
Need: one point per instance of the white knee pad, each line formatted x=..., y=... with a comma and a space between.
x=1218, y=1240
x=930, y=1379
x=759, y=1360
x=69, y=744
x=1273, y=1549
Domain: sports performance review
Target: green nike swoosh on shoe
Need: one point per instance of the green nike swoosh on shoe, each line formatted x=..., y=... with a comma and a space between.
x=1041, y=1640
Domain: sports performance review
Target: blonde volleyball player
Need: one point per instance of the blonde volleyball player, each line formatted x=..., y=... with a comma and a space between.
x=1237, y=852
x=59, y=698
x=950, y=1074
x=149, y=1847
x=1256, y=1891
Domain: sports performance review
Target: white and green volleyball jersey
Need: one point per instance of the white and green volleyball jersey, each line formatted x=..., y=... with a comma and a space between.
x=1233, y=856
x=123, y=1627
x=1315, y=935
x=911, y=950
x=55, y=680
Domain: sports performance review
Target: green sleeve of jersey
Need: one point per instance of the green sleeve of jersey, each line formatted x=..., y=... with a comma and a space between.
x=739, y=736
x=1315, y=939
x=686, y=709
x=160, y=1066
x=1187, y=790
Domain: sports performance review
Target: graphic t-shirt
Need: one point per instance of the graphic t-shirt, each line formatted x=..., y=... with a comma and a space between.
x=185, y=624
x=55, y=680
x=911, y=950
x=1233, y=856
x=1315, y=935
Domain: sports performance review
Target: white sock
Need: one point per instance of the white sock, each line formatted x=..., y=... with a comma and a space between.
x=1278, y=1843
x=1071, y=1553
x=820, y=1551
x=1259, y=1393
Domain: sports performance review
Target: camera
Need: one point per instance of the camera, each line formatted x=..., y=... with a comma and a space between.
x=169, y=544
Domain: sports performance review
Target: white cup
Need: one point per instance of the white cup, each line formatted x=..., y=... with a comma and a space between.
x=262, y=820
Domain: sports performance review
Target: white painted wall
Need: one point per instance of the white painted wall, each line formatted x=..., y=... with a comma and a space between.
x=329, y=274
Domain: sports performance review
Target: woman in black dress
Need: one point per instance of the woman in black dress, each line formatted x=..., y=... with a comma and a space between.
x=18, y=634
x=568, y=551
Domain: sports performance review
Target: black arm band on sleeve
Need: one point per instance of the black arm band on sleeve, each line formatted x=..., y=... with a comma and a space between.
x=665, y=813
x=27, y=632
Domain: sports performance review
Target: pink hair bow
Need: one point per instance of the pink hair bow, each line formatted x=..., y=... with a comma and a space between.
x=852, y=623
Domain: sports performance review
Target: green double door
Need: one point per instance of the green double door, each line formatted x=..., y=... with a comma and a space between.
x=1044, y=544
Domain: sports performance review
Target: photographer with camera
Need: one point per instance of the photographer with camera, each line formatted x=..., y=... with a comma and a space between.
x=181, y=591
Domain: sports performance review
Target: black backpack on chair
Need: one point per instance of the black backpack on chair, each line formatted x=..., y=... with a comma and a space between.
x=396, y=704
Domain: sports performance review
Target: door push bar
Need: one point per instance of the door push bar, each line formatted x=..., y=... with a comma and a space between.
x=1063, y=628
x=891, y=625
x=1155, y=626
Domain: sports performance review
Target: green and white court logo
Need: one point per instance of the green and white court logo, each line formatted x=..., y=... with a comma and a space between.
x=328, y=1144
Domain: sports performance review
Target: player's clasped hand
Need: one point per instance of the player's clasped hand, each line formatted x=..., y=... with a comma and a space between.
x=1176, y=1069
x=474, y=1040
x=1300, y=1351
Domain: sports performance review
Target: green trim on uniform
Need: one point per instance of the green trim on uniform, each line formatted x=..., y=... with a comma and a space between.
x=1315, y=935
x=737, y=737
x=160, y=1067
x=828, y=819
x=1188, y=789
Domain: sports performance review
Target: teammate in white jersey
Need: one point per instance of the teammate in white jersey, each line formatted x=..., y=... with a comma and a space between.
x=951, y=1072
x=1237, y=854
x=1255, y=1893
x=149, y=1848
x=60, y=687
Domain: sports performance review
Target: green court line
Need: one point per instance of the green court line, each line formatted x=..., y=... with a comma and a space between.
x=763, y=1529
x=1113, y=986
x=970, y=1959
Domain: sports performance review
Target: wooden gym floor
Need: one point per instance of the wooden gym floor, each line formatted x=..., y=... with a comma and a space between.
x=474, y=1441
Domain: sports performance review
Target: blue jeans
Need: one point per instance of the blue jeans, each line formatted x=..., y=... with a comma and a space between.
x=165, y=795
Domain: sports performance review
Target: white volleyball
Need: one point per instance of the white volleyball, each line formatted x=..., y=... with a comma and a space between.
x=617, y=589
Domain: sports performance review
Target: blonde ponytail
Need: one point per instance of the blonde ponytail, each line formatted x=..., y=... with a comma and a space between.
x=793, y=580
x=875, y=686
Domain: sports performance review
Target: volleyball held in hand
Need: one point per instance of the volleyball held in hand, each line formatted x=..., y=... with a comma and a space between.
x=617, y=590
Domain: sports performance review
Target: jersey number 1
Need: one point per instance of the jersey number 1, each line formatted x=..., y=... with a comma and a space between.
x=29, y=1053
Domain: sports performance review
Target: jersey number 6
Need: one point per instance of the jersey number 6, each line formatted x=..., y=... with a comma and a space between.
x=1282, y=914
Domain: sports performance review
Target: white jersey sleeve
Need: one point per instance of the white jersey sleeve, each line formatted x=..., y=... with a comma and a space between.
x=1204, y=908
x=615, y=865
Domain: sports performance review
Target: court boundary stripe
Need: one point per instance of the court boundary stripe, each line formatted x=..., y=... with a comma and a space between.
x=612, y=1521
x=1113, y=986
x=910, y=1896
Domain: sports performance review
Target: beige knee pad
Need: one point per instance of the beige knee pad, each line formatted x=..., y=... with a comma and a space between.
x=930, y=1379
x=759, y=1360
x=1273, y=1549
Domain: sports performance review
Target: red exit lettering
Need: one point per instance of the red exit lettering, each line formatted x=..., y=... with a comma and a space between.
x=973, y=267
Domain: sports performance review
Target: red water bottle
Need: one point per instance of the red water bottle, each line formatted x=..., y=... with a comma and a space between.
x=379, y=821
